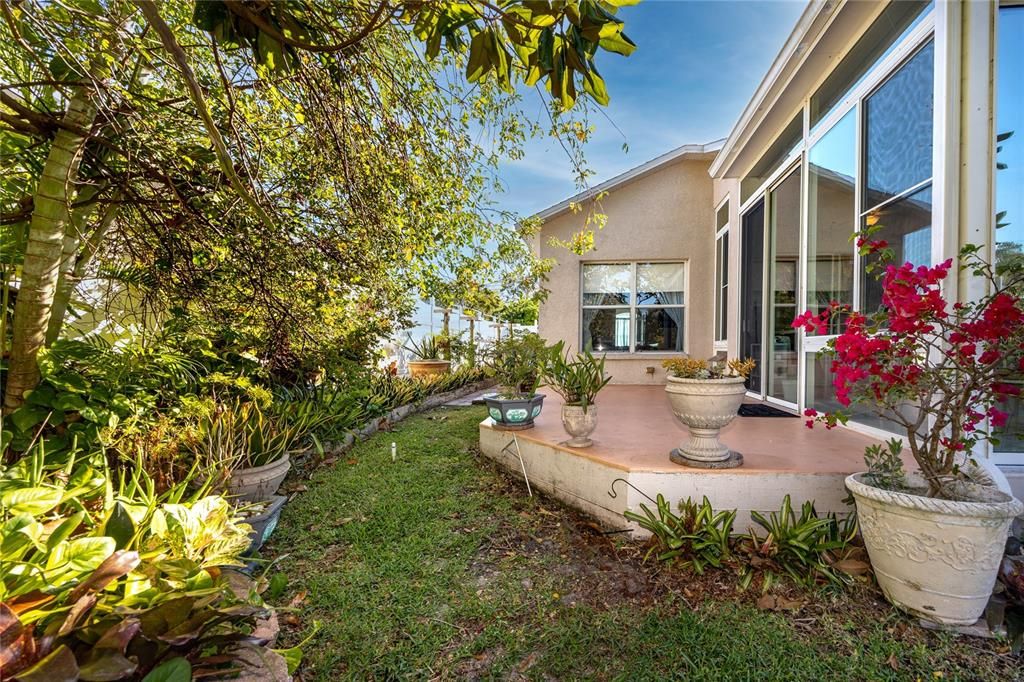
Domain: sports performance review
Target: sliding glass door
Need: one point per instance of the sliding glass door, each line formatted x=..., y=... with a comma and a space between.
x=784, y=259
x=752, y=291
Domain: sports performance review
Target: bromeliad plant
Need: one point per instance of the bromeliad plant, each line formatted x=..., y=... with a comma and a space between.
x=940, y=370
x=692, y=368
x=698, y=535
x=429, y=347
x=577, y=380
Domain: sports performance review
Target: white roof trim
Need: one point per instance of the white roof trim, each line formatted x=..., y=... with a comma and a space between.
x=807, y=29
x=687, y=150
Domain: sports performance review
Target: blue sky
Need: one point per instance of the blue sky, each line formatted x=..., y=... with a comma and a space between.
x=696, y=66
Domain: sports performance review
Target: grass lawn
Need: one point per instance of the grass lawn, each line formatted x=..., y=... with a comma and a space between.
x=439, y=566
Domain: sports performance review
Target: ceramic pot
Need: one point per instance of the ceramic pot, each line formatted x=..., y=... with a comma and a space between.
x=258, y=484
x=513, y=413
x=935, y=558
x=705, y=406
x=579, y=424
x=422, y=368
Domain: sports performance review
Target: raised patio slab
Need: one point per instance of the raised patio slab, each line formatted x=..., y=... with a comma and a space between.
x=637, y=430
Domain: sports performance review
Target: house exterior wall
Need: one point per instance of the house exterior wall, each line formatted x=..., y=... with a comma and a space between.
x=665, y=215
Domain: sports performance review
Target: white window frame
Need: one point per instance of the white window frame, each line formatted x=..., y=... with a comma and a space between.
x=634, y=306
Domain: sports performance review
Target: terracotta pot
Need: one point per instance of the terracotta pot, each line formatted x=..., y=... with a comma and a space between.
x=579, y=424
x=421, y=368
x=258, y=484
x=705, y=406
x=513, y=413
x=937, y=559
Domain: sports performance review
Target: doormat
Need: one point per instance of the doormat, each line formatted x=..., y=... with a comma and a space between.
x=762, y=410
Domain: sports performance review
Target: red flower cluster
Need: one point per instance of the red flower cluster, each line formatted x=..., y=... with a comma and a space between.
x=888, y=358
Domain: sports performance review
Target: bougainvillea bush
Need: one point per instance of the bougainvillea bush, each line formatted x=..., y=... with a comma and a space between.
x=941, y=370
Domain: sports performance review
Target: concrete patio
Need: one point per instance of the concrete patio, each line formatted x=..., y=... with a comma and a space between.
x=636, y=430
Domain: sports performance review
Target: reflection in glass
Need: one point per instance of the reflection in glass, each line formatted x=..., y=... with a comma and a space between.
x=659, y=329
x=907, y=225
x=606, y=284
x=898, y=130
x=784, y=246
x=832, y=218
x=606, y=329
x=659, y=284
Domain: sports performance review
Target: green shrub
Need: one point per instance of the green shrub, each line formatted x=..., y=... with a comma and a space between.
x=103, y=577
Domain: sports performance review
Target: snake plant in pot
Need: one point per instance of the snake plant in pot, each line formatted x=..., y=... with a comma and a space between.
x=578, y=380
x=941, y=372
x=252, y=446
x=517, y=364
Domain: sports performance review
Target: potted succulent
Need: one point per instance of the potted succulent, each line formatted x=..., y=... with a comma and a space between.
x=517, y=365
x=428, y=354
x=578, y=381
x=941, y=373
x=705, y=396
x=252, y=447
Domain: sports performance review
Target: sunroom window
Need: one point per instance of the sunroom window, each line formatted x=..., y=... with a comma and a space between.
x=896, y=190
x=633, y=307
x=722, y=272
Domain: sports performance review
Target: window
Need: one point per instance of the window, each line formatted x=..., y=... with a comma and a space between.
x=831, y=215
x=1009, y=180
x=895, y=22
x=896, y=187
x=633, y=307
x=722, y=273
x=788, y=141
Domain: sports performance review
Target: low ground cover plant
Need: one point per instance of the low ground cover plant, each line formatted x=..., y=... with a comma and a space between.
x=809, y=549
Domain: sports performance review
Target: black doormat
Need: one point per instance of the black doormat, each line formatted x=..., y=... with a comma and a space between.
x=762, y=410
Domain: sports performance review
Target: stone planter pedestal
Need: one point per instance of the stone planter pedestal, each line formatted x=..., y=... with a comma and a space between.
x=705, y=406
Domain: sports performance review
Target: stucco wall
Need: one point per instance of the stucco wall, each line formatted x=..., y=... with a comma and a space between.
x=667, y=214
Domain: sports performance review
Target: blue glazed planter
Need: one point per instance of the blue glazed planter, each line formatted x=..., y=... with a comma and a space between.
x=513, y=413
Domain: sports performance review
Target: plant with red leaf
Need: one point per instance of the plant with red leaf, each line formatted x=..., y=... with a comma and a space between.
x=940, y=370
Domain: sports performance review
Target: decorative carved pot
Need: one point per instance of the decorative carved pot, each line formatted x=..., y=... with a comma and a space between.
x=935, y=558
x=705, y=406
x=579, y=424
x=422, y=368
x=513, y=414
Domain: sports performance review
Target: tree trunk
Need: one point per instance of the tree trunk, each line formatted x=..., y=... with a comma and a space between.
x=75, y=258
x=41, y=268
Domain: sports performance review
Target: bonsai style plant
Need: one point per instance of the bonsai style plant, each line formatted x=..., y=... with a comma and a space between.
x=578, y=381
x=941, y=372
x=428, y=353
x=705, y=396
x=517, y=365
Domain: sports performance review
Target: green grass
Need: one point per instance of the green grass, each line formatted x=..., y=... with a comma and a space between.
x=438, y=566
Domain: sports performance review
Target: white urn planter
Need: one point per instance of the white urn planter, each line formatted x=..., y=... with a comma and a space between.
x=705, y=406
x=258, y=484
x=579, y=424
x=935, y=558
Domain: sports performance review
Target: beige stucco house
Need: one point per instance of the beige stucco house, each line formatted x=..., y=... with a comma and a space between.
x=872, y=111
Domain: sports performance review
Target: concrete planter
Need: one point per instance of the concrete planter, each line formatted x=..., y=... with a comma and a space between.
x=258, y=484
x=513, y=413
x=705, y=406
x=579, y=424
x=935, y=558
x=422, y=368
